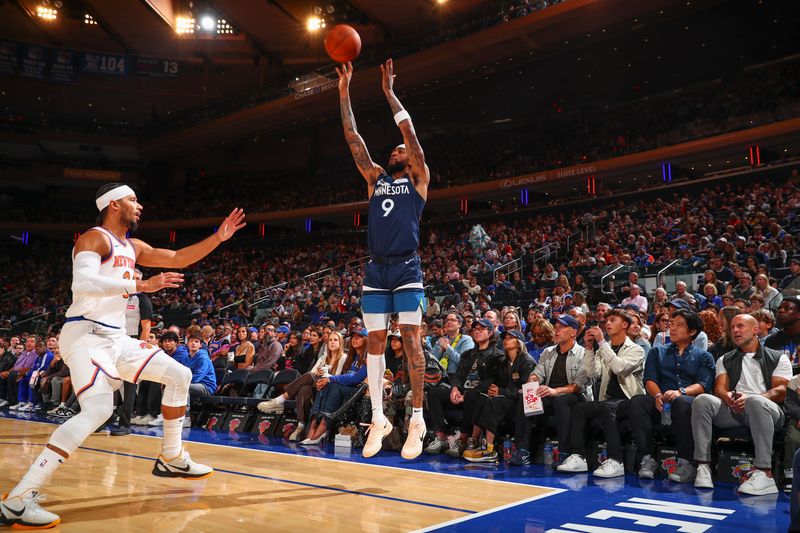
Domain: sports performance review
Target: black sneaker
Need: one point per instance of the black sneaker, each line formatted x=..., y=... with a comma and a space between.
x=521, y=457
x=120, y=431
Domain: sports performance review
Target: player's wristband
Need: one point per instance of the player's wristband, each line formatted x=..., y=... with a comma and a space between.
x=400, y=116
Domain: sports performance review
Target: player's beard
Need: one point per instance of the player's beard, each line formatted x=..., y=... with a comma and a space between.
x=132, y=226
x=394, y=168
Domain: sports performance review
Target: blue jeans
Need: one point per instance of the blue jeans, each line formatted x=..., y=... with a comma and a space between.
x=329, y=399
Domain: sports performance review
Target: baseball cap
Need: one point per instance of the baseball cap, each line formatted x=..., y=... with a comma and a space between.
x=794, y=299
x=251, y=329
x=794, y=260
x=569, y=321
x=485, y=322
x=513, y=333
x=568, y=295
x=394, y=333
x=361, y=331
x=680, y=304
x=283, y=329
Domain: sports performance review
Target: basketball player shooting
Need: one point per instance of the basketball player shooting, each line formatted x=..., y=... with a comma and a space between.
x=393, y=275
x=99, y=354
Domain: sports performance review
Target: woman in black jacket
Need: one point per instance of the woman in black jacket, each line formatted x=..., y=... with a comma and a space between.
x=506, y=376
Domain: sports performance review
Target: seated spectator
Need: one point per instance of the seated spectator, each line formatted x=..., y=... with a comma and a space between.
x=638, y=332
x=291, y=351
x=218, y=347
x=744, y=289
x=466, y=385
x=334, y=390
x=269, y=349
x=51, y=380
x=542, y=301
x=790, y=284
x=506, y=374
x=766, y=323
x=711, y=327
x=580, y=316
x=511, y=322
x=204, y=380
x=563, y=383
x=7, y=360
x=26, y=358
x=29, y=397
x=302, y=389
x=772, y=298
x=700, y=340
x=542, y=335
x=635, y=298
x=682, y=294
x=579, y=301
x=618, y=364
x=725, y=343
x=749, y=389
x=310, y=354
x=243, y=349
x=452, y=344
x=787, y=339
x=712, y=296
x=674, y=375
x=710, y=277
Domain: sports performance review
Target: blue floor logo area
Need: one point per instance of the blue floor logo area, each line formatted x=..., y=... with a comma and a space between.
x=644, y=505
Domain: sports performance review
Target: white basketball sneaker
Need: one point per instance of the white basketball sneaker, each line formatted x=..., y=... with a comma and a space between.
x=24, y=512
x=413, y=446
x=375, y=436
x=181, y=466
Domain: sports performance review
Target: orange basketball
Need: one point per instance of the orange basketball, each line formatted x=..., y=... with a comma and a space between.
x=343, y=43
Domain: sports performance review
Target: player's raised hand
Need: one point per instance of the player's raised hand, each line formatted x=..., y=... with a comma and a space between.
x=345, y=72
x=233, y=223
x=387, y=76
x=165, y=280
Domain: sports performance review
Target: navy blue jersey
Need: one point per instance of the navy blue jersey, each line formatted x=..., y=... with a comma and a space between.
x=394, y=212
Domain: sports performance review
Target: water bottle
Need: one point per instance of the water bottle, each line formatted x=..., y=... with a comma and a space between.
x=556, y=456
x=548, y=453
x=603, y=455
x=666, y=415
x=507, y=449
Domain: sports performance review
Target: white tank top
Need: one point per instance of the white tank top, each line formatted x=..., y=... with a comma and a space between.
x=119, y=264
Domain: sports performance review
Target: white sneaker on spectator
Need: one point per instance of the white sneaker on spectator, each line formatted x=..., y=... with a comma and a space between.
x=647, y=470
x=684, y=473
x=758, y=484
x=573, y=463
x=17, y=406
x=702, y=478
x=54, y=411
x=25, y=407
x=436, y=446
x=187, y=422
x=145, y=420
x=24, y=512
x=270, y=406
x=375, y=436
x=413, y=446
x=3, y=403
x=157, y=421
x=295, y=436
x=609, y=468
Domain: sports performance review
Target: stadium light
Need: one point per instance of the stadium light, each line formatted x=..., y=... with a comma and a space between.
x=89, y=20
x=47, y=13
x=208, y=23
x=314, y=24
x=184, y=25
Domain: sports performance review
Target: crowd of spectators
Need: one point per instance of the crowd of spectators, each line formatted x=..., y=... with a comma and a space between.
x=585, y=135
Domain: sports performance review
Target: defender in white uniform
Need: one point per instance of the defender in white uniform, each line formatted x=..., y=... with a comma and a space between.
x=100, y=355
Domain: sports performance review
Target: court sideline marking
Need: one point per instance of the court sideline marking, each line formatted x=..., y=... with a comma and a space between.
x=470, y=514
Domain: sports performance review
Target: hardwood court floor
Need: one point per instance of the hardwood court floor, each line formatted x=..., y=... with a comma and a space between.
x=107, y=487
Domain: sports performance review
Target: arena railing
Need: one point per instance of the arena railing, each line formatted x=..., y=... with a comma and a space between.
x=515, y=265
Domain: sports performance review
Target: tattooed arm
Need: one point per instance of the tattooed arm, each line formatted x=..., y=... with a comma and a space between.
x=358, y=148
x=416, y=157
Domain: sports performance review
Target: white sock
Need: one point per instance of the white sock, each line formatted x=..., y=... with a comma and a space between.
x=39, y=473
x=280, y=400
x=376, y=367
x=416, y=415
x=172, y=445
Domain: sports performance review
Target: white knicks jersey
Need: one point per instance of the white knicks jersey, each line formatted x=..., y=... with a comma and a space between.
x=119, y=264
